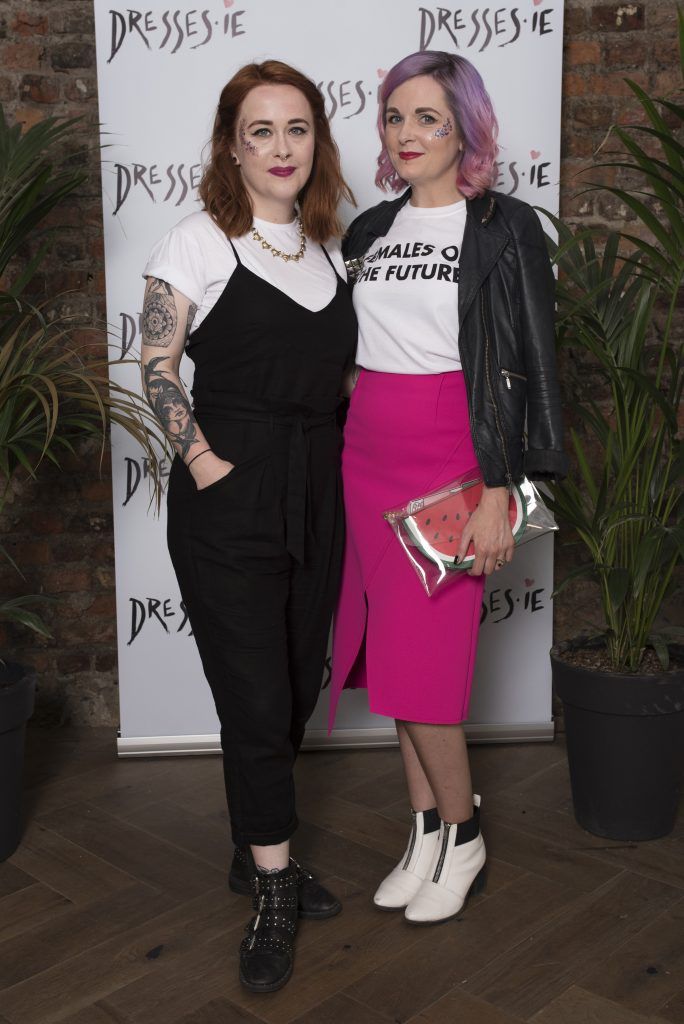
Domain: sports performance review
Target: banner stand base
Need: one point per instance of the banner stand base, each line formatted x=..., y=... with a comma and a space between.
x=341, y=739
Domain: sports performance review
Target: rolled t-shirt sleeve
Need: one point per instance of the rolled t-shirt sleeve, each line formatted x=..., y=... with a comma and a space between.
x=177, y=258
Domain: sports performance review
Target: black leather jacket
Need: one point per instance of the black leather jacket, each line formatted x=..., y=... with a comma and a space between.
x=506, y=335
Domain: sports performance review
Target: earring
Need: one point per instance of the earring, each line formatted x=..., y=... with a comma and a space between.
x=234, y=159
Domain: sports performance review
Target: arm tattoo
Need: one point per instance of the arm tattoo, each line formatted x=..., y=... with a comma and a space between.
x=172, y=408
x=160, y=317
x=192, y=310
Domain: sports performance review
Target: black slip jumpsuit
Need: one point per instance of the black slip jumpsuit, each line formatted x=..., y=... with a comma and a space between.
x=257, y=554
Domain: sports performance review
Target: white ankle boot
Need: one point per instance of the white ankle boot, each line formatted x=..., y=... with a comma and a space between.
x=456, y=872
x=404, y=881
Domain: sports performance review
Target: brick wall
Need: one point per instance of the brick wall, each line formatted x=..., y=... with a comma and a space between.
x=60, y=531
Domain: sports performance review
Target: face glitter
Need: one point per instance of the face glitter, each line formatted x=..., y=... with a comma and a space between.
x=446, y=129
x=246, y=143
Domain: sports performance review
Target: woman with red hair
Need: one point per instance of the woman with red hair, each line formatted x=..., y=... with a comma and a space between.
x=254, y=289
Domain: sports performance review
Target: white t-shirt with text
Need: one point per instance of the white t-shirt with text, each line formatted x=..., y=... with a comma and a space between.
x=406, y=296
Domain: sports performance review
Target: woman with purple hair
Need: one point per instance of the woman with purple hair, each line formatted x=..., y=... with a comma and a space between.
x=454, y=295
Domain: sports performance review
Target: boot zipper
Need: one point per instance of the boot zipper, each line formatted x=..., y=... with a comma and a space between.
x=262, y=901
x=508, y=374
x=412, y=843
x=509, y=475
x=442, y=852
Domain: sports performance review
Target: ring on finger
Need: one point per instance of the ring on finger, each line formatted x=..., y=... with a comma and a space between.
x=499, y=563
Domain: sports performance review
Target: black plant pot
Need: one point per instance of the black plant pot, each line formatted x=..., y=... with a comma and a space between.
x=17, y=689
x=625, y=741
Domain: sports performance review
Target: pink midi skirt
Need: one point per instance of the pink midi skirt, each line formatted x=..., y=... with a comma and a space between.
x=405, y=434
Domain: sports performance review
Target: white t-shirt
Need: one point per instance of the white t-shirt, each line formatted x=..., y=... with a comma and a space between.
x=196, y=258
x=406, y=297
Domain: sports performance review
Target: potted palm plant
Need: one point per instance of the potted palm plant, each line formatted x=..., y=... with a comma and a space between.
x=623, y=691
x=54, y=393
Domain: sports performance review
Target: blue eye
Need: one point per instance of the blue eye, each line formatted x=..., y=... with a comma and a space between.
x=393, y=119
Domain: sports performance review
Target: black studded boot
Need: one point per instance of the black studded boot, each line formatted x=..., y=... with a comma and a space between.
x=267, y=951
x=315, y=901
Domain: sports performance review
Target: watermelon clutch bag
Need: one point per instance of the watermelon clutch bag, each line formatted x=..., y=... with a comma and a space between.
x=429, y=528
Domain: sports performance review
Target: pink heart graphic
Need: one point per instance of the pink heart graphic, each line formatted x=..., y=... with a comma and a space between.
x=528, y=581
x=535, y=153
x=536, y=2
x=381, y=72
x=229, y=3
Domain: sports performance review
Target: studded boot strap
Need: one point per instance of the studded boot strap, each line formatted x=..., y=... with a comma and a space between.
x=273, y=928
x=303, y=875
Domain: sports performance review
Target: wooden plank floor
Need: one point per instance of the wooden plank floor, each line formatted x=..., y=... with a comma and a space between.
x=115, y=909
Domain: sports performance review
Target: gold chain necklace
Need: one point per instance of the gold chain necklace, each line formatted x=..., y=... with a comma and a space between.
x=287, y=256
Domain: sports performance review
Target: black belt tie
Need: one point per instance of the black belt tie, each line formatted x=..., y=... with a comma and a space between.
x=300, y=423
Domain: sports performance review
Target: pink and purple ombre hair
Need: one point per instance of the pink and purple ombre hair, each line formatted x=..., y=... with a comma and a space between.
x=469, y=103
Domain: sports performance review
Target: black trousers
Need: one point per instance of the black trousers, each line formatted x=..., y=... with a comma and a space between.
x=260, y=619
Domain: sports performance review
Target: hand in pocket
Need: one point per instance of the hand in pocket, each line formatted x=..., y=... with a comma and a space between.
x=209, y=469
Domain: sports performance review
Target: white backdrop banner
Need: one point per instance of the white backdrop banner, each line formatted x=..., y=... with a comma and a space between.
x=160, y=72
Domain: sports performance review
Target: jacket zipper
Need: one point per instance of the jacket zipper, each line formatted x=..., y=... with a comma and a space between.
x=509, y=475
x=471, y=403
x=412, y=843
x=507, y=374
x=508, y=301
x=442, y=852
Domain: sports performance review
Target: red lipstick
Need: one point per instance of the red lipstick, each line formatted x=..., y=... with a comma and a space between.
x=281, y=172
x=409, y=155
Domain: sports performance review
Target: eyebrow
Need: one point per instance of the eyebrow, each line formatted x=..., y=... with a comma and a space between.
x=418, y=110
x=293, y=120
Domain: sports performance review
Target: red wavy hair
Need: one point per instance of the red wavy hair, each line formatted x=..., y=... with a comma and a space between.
x=222, y=190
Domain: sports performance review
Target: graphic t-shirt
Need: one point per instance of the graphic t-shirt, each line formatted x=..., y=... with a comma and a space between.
x=406, y=296
x=196, y=258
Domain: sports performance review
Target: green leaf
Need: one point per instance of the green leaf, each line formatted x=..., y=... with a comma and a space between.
x=646, y=215
x=6, y=555
x=646, y=559
x=53, y=394
x=587, y=475
x=645, y=384
x=670, y=145
x=15, y=610
x=588, y=569
x=30, y=186
x=677, y=534
x=675, y=108
x=660, y=647
x=673, y=632
x=618, y=584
